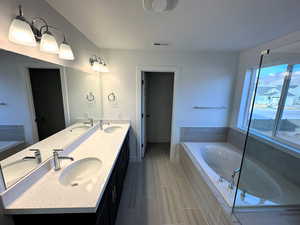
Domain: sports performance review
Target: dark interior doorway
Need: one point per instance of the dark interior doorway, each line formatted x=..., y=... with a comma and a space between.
x=48, y=101
x=157, y=106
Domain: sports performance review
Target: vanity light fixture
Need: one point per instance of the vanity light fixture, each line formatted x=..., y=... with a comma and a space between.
x=65, y=51
x=20, y=31
x=98, y=64
x=48, y=43
x=25, y=33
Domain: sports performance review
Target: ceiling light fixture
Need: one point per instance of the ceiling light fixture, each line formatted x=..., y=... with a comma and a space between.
x=160, y=5
x=98, y=64
x=25, y=33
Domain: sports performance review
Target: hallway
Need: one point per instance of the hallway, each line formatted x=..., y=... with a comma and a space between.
x=156, y=192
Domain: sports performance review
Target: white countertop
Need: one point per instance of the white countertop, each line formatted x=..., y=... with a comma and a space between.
x=60, y=140
x=49, y=196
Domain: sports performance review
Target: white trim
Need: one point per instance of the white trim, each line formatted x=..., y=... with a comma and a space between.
x=34, y=130
x=246, y=98
x=174, y=129
x=64, y=87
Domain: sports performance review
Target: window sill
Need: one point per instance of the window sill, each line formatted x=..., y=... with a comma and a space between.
x=274, y=142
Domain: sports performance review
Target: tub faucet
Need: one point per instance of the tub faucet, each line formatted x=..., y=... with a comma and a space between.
x=37, y=156
x=234, y=173
x=57, y=158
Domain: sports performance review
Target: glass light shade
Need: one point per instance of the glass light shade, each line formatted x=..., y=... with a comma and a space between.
x=159, y=5
x=20, y=32
x=65, y=52
x=103, y=68
x=99, y=67
x=96, y=66
x=48, y=43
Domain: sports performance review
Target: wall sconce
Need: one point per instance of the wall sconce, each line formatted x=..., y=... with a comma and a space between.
x=98, y=64
x=25, y=33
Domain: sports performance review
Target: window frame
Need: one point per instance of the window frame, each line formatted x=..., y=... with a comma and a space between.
x=243, y=125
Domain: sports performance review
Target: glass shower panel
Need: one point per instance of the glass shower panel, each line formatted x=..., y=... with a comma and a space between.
x=269, y=175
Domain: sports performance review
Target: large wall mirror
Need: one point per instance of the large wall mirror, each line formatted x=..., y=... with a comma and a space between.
x=39, y=101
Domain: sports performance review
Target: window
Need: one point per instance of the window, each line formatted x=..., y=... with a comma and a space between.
x=276, y=110
x=289, y=124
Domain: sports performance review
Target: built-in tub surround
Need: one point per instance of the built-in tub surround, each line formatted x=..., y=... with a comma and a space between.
x=12, y=140
x=260, y=149
x=220, y=162
x=12, y=133
x=212, y=204
x=203, y=134
x=9, y=146
x=97, y=151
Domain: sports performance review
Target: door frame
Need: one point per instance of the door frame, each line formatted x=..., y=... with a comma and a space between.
x=174, y=128
x=63, y=79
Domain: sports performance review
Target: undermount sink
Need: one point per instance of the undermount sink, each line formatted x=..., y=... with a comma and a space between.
x=79, y=129
x=112, y=129
x=81, y=172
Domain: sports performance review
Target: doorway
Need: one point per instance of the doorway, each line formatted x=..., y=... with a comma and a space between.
x=47, y=100
x=157, y=106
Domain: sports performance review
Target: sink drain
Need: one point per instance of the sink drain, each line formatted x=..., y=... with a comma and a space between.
x=74, y=184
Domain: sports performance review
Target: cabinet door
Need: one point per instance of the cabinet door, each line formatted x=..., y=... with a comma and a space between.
x=103, y=214
x=113, y=196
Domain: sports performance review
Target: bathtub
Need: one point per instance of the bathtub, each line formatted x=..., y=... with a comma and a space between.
x=6, y=145
x=217, y=161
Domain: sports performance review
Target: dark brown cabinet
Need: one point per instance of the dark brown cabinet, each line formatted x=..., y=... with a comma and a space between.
x=107, y=210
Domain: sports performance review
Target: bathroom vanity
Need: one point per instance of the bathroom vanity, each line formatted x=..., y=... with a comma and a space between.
x=90, y=197
x=59, y=162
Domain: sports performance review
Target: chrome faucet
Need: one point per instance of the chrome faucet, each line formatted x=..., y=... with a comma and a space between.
x=90, y=122
x=37, y=156
x=234, y=173
x=57, y=158
x=102, y=122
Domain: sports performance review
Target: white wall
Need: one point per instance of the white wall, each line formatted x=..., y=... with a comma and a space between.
x=79, y=84
x=159, y=91
x=205, y=79
x=13, y=92
x=82, y=47
x=248, y=59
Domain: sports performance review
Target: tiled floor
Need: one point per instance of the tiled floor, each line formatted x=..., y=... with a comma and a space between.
x=156, y=192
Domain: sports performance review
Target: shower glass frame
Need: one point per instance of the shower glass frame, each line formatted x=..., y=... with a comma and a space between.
x=275, y=129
